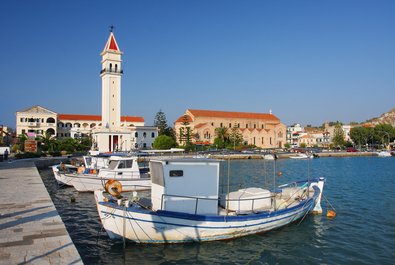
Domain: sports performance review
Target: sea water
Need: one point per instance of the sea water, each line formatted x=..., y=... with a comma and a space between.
x=360, y=189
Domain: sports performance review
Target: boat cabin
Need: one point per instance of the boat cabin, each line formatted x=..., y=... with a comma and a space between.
x=185, y=185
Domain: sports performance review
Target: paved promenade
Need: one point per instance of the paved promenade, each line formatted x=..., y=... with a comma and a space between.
x=31, y=230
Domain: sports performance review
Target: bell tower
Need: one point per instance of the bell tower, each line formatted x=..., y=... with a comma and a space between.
x=111, y=83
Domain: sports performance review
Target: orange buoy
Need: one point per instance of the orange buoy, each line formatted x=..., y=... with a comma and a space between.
x=113, y=187
x=279, y=173
x=330, y=214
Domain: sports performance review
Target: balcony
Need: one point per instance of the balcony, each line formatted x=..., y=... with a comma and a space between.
x=116, y=71
x=33, y=124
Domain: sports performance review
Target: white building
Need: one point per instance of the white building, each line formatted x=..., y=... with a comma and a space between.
x=294, y=132
x=110, y=131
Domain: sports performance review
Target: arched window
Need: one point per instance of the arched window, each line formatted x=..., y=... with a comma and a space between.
x=68, y=125
x=153, y=135
x=60, y=124
x=116, y=67
x=110, y=67
x=144, y=134
x=50, y=120
x=51, y=131
x=77, y=125
x=136, y=134
x=93, y=125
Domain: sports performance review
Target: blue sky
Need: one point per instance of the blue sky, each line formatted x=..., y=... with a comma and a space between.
x=307, y=61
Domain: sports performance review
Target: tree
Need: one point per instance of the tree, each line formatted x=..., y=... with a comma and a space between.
x=221, y=138
x=22, y=139
x=160, y=121
x=359, y=135
x=235, y=137
x=48, y=142
x=383, y=133
x=164, y=142
x=338, y=135
x=287, y=145
x=185, y=133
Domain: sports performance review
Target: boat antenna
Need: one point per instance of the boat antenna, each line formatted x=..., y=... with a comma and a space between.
x=274, y=184
x=308, y=176
x=265, y=173
x=227, y=201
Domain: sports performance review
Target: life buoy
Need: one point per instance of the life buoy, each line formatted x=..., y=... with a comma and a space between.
x=113, y=187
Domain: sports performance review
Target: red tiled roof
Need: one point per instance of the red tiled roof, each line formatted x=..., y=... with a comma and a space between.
x=182, y=119
x=82, y=117
x=132, y=119
x=231, y=114
x=200, y=125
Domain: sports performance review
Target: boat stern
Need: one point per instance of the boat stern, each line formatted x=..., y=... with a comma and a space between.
x=320, y=185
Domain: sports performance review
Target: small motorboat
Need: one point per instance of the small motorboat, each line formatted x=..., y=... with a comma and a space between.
x=126, y=170
x=185, y=205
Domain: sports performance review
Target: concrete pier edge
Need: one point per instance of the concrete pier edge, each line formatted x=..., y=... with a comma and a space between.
x=31, y=230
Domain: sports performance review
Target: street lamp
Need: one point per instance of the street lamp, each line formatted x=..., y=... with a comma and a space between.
x=388, y=140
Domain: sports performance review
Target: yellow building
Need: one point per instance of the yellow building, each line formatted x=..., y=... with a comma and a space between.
x=260, y=129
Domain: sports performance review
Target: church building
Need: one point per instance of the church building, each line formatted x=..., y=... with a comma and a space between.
x=262, y=130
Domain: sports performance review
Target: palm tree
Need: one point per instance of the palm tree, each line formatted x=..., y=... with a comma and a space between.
x=222, y=134
x=48, y=141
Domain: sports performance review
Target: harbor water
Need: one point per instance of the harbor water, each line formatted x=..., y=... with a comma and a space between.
x=361, y=189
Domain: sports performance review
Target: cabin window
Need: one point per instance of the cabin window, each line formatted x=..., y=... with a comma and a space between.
x=125, y=164
x=176, y=173
x=112, y=165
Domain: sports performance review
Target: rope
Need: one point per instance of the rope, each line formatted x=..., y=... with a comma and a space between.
x=328, y=202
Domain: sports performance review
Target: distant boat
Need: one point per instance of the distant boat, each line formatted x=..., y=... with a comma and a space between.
x=185, y=206
x=78, y=165
x=302, y=156
x=384, y=154
x=126, y=170
x=269, y=157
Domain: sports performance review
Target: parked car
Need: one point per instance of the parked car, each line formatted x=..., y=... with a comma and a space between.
x=351, y=149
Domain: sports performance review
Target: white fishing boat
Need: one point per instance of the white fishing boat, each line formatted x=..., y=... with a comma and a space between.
x=302, y=156
x=185, y=206
x=126, y=170
x=89, y=164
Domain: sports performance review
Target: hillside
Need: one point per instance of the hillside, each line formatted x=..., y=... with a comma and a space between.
x=388, y=118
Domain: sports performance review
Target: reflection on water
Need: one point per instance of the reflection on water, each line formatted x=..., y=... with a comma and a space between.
x=363, y=232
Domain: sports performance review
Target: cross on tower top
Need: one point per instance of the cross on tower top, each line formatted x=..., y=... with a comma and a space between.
x=112, y=28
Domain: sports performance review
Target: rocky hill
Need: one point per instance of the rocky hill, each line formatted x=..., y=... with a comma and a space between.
x=387, y=118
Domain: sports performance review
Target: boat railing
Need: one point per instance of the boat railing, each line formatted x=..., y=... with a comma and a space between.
x=122, y=174
x=219, y=200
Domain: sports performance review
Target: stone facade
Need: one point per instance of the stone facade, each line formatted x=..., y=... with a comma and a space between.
x=259, y=129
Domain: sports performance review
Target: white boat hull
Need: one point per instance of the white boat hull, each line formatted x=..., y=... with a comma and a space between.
x=92, y=182
x=61, y=178
x=144, y=226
